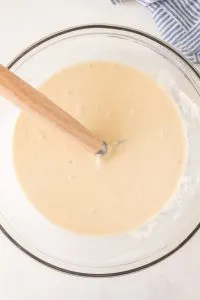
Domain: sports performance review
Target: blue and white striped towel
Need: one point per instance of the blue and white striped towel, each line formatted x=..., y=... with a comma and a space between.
x=178, y=22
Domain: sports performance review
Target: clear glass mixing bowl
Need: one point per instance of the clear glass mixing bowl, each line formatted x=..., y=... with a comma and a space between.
x=179, y=219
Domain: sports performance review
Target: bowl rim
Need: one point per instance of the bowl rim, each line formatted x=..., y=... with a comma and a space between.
x=128, y=30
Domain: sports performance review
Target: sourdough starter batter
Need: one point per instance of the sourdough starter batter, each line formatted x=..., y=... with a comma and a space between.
x=65, y=183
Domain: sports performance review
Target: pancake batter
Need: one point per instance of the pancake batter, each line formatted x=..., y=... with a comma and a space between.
x=65, y=183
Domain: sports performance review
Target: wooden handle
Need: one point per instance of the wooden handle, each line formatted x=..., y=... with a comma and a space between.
x=29, y=99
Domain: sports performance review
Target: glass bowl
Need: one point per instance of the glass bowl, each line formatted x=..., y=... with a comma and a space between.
x=159, y=237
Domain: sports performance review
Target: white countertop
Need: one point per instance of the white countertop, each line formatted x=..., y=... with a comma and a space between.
x=177, y=278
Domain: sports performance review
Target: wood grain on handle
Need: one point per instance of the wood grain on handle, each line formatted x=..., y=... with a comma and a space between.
x=29, y=99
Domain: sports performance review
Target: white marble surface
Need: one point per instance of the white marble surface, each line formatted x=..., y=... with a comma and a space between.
x=177, y=278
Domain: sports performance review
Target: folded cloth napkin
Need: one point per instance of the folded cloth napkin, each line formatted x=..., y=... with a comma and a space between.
x=178, y=22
